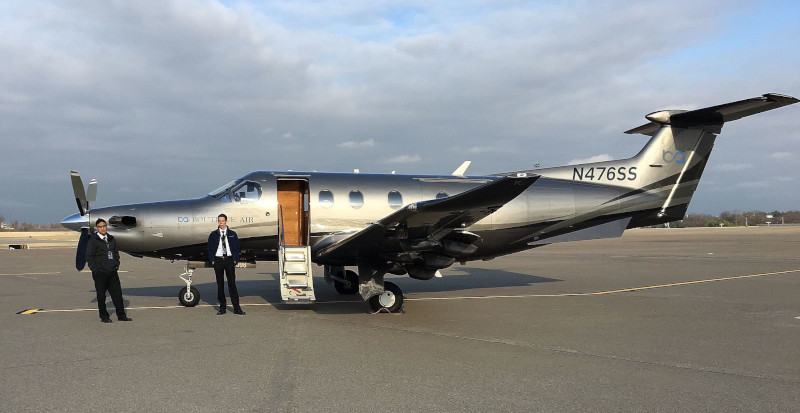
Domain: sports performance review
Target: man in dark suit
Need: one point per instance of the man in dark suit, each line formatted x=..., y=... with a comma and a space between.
x=223, y=254
x=103, y=260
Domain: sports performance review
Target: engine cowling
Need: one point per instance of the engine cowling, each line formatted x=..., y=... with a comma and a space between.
x=420, y=273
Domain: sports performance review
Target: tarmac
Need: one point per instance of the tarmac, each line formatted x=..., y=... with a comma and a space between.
x=671, y=320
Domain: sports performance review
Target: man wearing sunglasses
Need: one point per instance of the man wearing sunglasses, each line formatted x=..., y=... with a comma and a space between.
x=103, y=260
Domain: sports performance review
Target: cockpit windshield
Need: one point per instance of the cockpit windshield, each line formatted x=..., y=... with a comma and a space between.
x=224, y=188
x=238, y=191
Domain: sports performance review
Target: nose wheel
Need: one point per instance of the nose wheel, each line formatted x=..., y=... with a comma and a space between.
x=188, y=296
x=390, y=300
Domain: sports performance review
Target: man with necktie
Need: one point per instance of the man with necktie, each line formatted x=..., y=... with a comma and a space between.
x=223, y=254
x=103, y=260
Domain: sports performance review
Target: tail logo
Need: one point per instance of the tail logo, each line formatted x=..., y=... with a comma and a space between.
x=678, y=157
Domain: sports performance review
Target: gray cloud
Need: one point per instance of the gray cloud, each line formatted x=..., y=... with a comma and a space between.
x=166, y=100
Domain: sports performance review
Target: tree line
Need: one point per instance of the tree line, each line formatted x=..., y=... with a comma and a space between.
x=738, y=219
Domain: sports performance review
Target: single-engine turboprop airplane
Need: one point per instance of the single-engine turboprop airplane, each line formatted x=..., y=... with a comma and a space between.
x=419, y=224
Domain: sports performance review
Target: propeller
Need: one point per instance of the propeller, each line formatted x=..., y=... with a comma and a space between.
x=84, y=200
x=81, y=197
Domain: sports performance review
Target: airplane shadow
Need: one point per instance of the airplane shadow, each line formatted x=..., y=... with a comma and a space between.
x=268, y=289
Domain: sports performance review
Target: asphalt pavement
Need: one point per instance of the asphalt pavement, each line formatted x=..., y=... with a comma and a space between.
x=658, y=320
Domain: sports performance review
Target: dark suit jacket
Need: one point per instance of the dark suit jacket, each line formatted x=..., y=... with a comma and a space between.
x=213, y=243
x=97, y=254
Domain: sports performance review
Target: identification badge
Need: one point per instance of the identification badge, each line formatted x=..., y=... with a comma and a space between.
x=110, y=255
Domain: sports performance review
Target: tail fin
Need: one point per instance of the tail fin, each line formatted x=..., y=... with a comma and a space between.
x=656, y=185
x=674, y=159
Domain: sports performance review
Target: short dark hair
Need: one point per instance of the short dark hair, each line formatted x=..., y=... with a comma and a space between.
x=223, y=216
x=99, y=220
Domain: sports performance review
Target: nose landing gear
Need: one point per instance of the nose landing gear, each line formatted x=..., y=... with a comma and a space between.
x=189, y=296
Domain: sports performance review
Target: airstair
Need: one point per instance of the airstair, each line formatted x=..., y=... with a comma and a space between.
x=294, y=267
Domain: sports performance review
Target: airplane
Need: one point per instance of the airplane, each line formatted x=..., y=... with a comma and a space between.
x=420, y=224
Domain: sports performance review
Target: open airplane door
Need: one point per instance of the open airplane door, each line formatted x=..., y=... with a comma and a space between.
x=294, y=251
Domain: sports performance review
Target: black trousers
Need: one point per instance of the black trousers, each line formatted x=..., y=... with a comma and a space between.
x=108, y=281
x=226, y=266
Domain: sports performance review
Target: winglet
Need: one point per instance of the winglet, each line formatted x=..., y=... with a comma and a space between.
x=461, y=169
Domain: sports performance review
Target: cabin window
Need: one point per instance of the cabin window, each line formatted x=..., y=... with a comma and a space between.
x=247, y=192
x=395, y=199
x=356, y=199
x=325, y=198
x=441, y=195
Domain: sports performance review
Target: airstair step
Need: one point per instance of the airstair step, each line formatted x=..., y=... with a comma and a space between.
x=295, y=256
x=296, y=281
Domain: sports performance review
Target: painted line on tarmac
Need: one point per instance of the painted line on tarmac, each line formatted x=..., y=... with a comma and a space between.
x=157, y=307
x=32, y=273
x=624, y=290
x=90, y=271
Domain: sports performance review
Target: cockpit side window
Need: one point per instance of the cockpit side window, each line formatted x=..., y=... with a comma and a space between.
x=247, y=192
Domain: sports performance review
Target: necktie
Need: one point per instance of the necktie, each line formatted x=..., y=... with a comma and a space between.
x=224, y=250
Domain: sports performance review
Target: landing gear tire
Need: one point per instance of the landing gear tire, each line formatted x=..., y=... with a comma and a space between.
x=344, y=289
x=391, y=299
x=189, y=298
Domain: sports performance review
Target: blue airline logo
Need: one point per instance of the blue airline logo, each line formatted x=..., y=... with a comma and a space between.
x=678, y=157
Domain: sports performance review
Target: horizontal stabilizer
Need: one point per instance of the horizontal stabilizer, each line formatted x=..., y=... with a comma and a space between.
x=712, y=118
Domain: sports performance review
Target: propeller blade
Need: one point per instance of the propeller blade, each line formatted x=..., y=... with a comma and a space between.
x=91, y=195
x=77, y=189
x=80, y=254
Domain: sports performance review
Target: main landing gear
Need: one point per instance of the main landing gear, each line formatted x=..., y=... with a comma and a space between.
x=188, y=296
x=390, y=300
x=381, y=296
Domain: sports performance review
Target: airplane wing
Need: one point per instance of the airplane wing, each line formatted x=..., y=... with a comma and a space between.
x=424, y=221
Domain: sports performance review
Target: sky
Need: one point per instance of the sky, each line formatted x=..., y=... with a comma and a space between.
x=169, y=99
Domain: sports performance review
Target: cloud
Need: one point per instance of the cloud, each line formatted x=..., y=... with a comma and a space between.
x=782, y=155
x=482, y=149
x=369, y=143
x=597, y=158
x=733, y=167
x=404, y=159
x=108, y=87
x=777, y=181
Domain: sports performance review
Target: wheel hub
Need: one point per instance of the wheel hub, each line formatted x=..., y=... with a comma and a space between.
x=386, y=299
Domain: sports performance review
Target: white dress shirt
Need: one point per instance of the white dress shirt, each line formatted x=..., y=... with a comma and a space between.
x=223, y=238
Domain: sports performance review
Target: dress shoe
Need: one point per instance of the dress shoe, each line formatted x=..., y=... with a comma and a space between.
x=221, y=311
x=105, y=320
x=124, y=318
x=239, y=311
